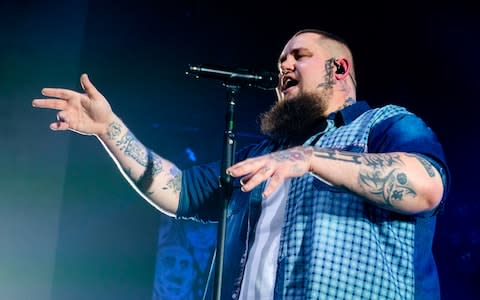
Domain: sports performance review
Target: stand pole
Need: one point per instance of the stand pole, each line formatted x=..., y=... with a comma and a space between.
x=228, y=157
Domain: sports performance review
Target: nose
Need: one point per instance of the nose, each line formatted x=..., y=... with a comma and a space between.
x=288, y=65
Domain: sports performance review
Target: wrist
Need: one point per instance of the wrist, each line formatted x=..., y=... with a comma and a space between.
x=308, y=152
x=111, y=129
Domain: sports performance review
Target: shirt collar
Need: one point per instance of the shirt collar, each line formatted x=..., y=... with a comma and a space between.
x=349, y=113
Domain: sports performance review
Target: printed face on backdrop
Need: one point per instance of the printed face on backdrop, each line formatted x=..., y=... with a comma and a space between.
x=175, y=273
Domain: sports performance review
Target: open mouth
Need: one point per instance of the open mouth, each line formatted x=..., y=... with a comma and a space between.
x=288, y=83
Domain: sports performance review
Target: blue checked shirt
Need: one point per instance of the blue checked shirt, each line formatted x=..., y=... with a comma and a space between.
x=334, y=244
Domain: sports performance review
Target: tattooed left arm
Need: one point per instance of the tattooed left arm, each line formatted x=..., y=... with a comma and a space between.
x=400, y=182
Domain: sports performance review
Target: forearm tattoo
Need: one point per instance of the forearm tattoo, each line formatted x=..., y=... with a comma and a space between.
x=426, y=164
x=380, y=161
x=293, y=154
x=129, y=145
x=139, y=153
x=336, y=155
x=113, y=130
x=145, y=181
x=134, y=149
x=380, y=175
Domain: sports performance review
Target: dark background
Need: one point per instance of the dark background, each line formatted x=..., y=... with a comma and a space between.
x=72, y=228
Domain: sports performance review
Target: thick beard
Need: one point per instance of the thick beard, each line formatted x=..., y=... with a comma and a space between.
x=294, y=119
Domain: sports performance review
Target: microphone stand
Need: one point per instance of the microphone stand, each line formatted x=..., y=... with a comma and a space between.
x=226, y=187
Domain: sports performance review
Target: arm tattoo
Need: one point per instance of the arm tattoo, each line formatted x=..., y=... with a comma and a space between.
x=175, y=182
x=425, y=163
x=383, y=178
x=293, y=154
x=380, y=161
x=133, y=148
x=144, y=157
x=380, y=174
x=337, y=155
x=113, y=130
x=153, y=167
x=389, y=187
x=128, y=171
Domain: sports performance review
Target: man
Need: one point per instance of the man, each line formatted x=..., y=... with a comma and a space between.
x=339, y=201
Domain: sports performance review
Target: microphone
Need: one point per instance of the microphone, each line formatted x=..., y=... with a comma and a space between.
x=260, y=79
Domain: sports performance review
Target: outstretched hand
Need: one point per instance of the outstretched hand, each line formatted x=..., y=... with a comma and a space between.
x=86, y=113
x=277, y=166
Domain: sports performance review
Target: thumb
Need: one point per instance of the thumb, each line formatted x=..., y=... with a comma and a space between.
x=88, y=86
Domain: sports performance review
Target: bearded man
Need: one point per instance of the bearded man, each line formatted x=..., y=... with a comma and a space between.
x=339, y=201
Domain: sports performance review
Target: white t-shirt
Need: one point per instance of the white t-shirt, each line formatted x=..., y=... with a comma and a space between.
x=261, y=267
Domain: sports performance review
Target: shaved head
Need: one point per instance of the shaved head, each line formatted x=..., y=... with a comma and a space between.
x=333, y=44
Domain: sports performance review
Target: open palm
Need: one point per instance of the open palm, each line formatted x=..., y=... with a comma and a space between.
x=86, y=113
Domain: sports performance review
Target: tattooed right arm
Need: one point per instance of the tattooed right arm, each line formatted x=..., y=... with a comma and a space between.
x=89, y=113
x=155, y=178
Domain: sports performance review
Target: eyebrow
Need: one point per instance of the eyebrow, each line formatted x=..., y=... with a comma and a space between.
x=283, y=57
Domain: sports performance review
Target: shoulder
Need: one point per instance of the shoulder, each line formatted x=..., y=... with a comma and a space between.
x=401, y=130
x=388, y=111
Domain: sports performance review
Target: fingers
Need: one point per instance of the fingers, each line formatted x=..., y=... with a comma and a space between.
x=61, y=123
x=245, y=167
x=66, y=94
x=254, y=172
x=59, y=93
x=245, y=179
x=272, y=185
x=252, y=180
x=276, y=167
x=57, y=104
x=88, y=86
x=59, y=126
